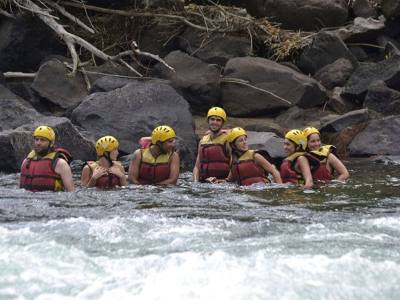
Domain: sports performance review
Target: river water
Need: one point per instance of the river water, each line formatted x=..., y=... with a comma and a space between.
x=200, y=241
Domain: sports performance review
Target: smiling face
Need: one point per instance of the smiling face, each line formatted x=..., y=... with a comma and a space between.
x=114, y=154
x=289, y=147
x=314, y=142
x=215, y=123
x=168, y=146
x=41, y=145
x=241, y=143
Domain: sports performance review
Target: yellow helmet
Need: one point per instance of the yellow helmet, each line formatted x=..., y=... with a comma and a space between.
x=106, y=144
x=309, y=131
x=235, y=133
x=46, y=132
x=297, y=137
x=162, y=133
x=218, y=112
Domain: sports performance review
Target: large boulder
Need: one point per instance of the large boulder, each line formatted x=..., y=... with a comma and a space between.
x=17, y=143
x=133, y=111
x=25, y=42
x=301, y=14
x=199, y=88
x=15, y=111
x=216, y=48
x=325, y=49
x=254, y=86
x=267, y=141
x=387, y=70
x=53, y=83
x=363, y=8
x=382, y=99
x=335, y=74
x=380, y=137
x=362, y=30
x=339, y=123
x=391, y=8
x=296, y=117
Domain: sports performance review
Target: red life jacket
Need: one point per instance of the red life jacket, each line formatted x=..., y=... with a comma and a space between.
x=107, y=181
x=153, y=170
x=37, y=173
x=288, y=171
x=321, y=172
x=245, y=170
x=214, y=161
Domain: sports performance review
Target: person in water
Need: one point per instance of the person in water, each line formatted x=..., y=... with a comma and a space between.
x=158, y=163
x=45, y=168
x=106, y=172
x=213, y=154
x=329, y=162
x=295, y=168
x=248, y=166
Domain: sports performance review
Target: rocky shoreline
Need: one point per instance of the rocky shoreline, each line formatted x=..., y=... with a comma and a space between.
x=346, y=81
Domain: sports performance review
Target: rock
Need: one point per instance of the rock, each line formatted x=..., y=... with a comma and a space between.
x=380, y=137
x=391, y=8
x=15, y=111
x=301, y=14
x=363, y=8
x=362, y=30
x=269, y=142
x=109, y=68
x=339, y=104
x=17, y=143
x=335, y=74
x=25, y=42
x=341, y=122
x=265, y=87
x=217, y=48
x=382, y=99
x=296, y=117
x=325, y=49
x=200, y=88
x=54, y=85
x=359, y=53
x=387, y=70
x=387, y=160
x=133, y=111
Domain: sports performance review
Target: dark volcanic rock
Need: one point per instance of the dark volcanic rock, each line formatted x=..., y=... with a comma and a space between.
x=301, y=14
x=133, y=111
x=325, y=49
x=196, y=81
x=14, y=110
x=25, y=42
x=264, y=86
x=54, y=85
x=363, y=8
x=387, y=70
x=380, y=137
x=341, y=122
x=17, y=143
x=335, y=74
x=382, y=99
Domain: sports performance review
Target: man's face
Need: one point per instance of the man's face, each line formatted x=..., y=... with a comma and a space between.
x=215, y=123
x=41, y=145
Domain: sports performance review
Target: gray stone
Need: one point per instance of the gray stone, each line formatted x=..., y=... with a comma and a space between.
x=254, y=86
x=335, y=74
x=382, y=99
x=380, y=137
x=301, y=14
x=326, y=48
x=363, y=8
x=133, y=111
x=196, y=81
x=53, y=84
x=341, y=122
x=391, y=8
x=362, y=30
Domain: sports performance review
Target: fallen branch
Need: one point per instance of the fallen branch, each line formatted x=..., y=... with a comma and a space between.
x=6, y=14
x=18, y=75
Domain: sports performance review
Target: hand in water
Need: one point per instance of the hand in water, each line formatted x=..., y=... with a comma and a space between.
x=211, y=179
